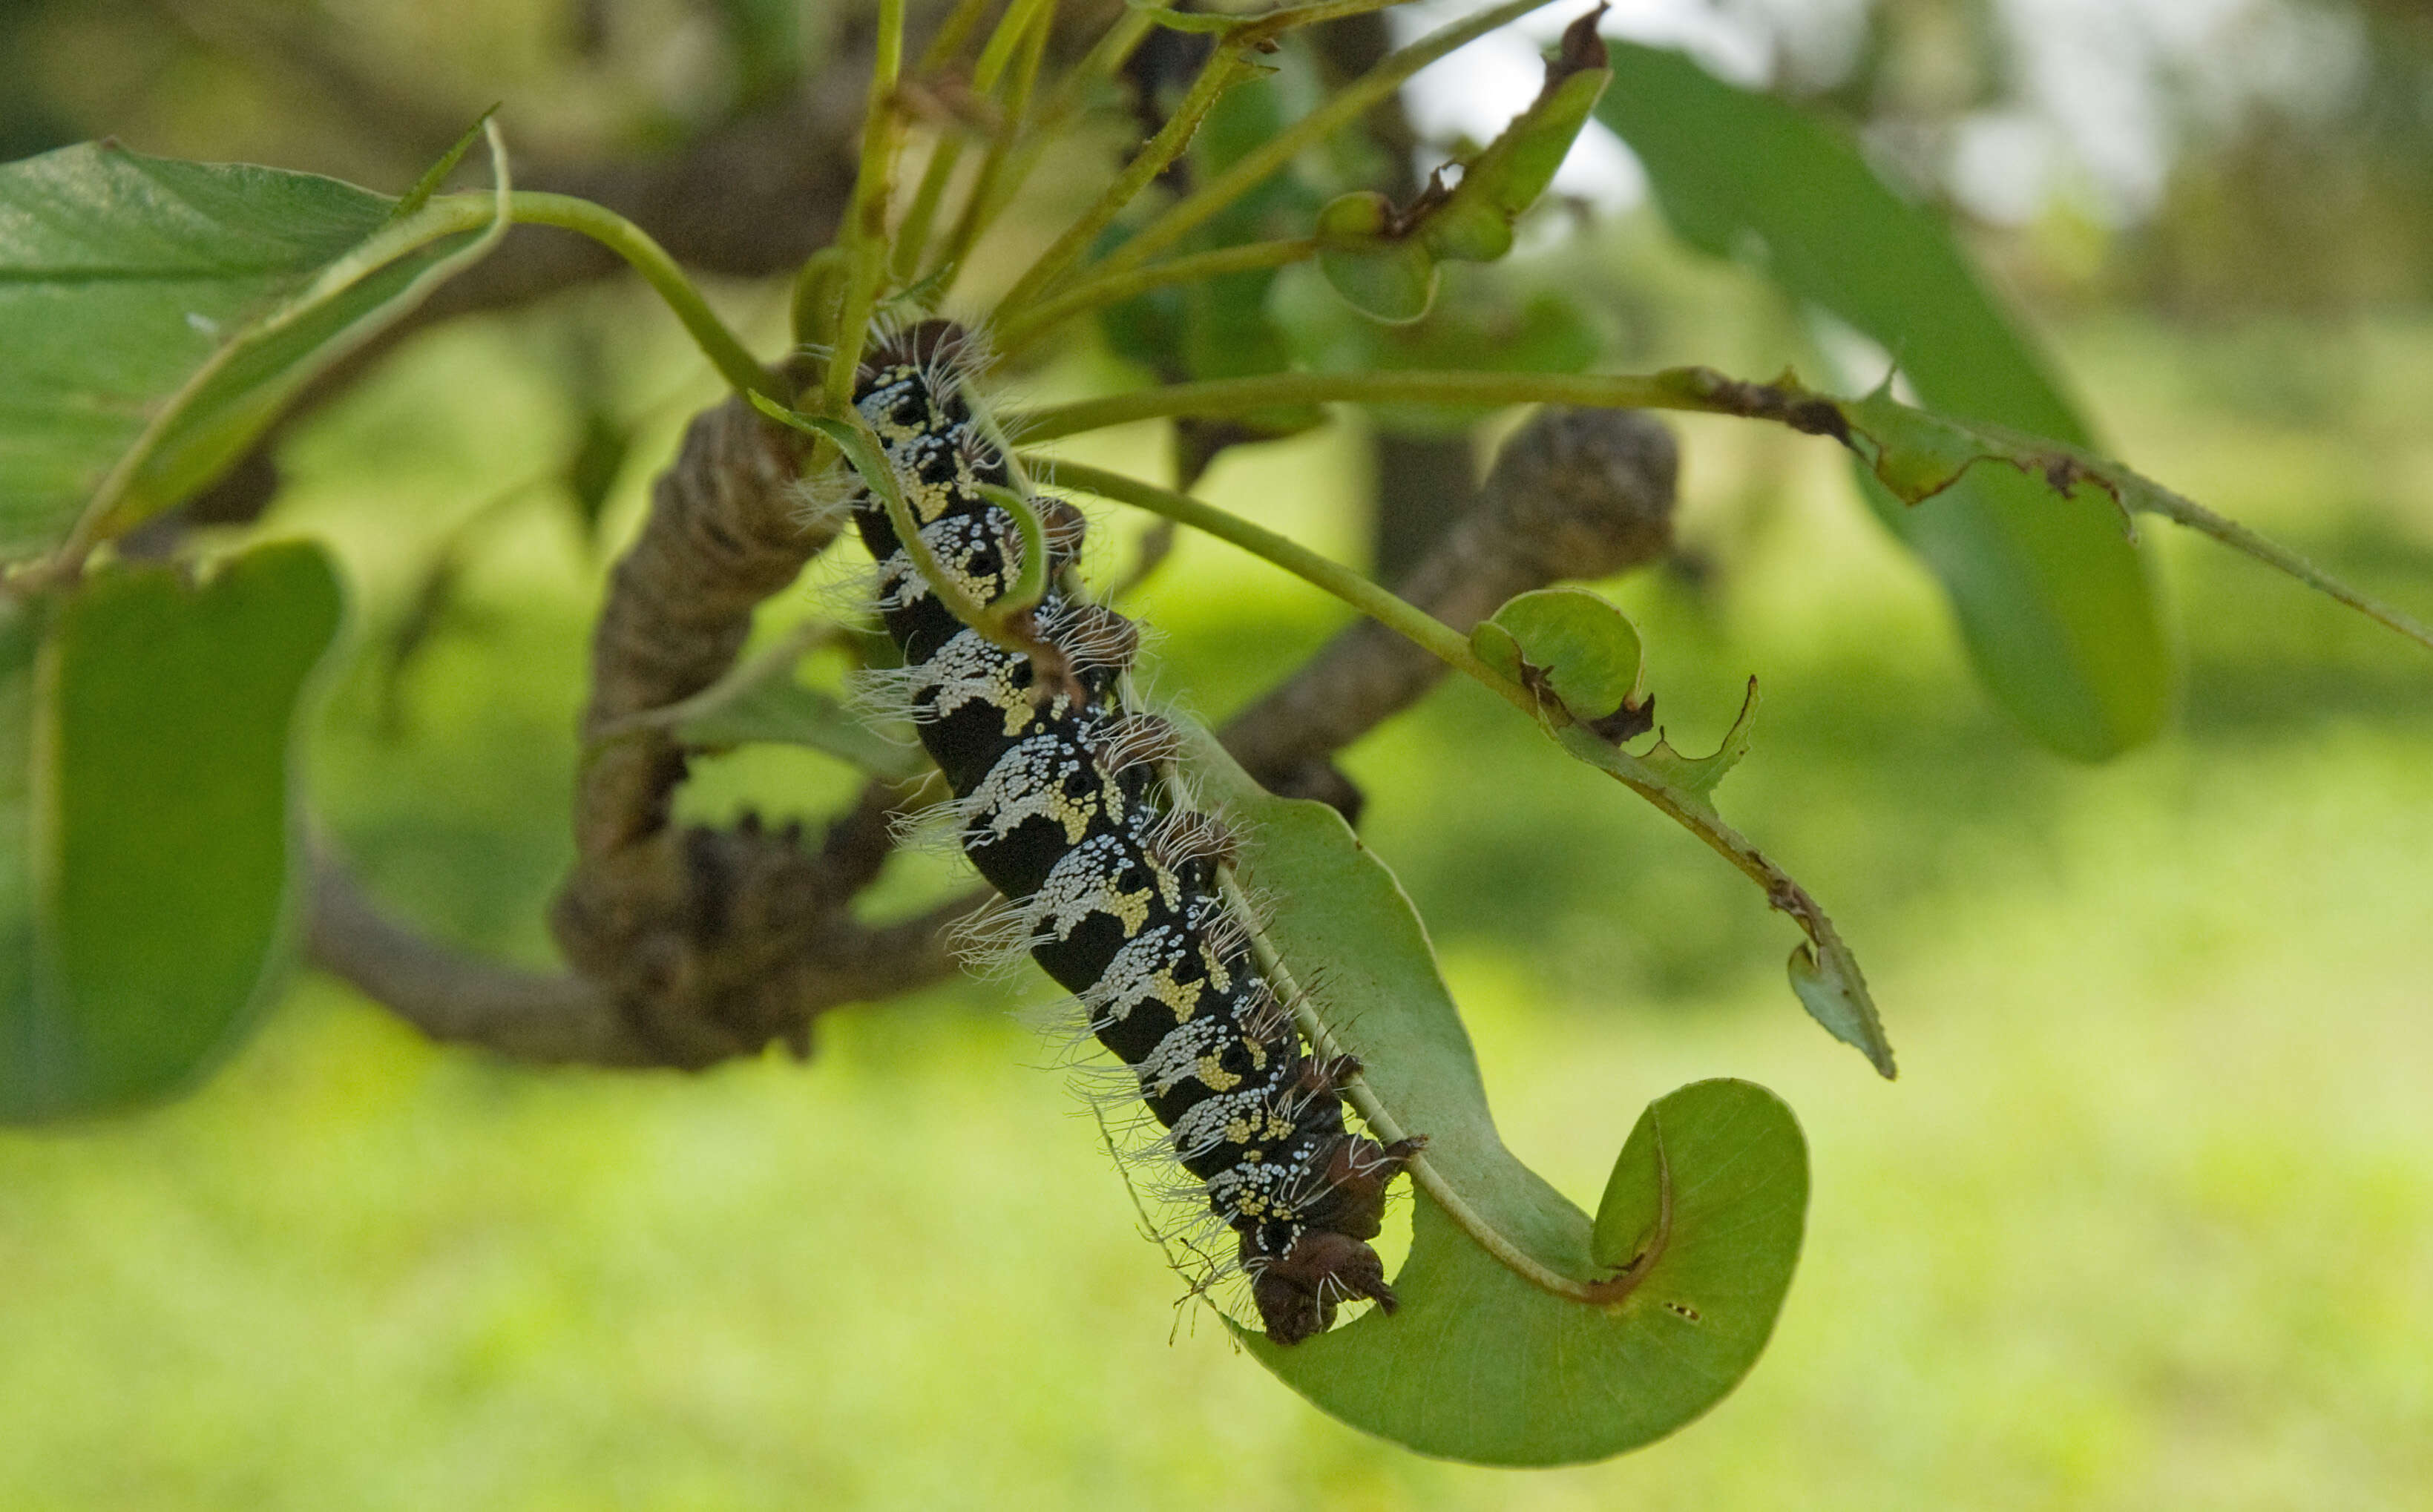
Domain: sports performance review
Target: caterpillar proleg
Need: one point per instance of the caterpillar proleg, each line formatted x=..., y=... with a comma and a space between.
x=1066, y=807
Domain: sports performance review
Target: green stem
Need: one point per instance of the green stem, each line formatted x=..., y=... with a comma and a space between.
x=2230, y=533
x=1223, y=70
x=1346, y=106
x=854, y=437
x=742, y=370
x=1025, y=327
x=1011, y=28
x=1233, y=396
x=912, y=237
x=1398, y=615
x=1103, y=59
x=865, y=237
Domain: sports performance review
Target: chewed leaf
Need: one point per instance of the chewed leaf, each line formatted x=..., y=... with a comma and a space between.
x=1474, y=222
x=1574, y=645
x=1514, y=1343
x=774, y=709
x=1701, y=774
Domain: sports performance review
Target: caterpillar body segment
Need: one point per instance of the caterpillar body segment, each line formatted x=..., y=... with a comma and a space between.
x=1111, y=877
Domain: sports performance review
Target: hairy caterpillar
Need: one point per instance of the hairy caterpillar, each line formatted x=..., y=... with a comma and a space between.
x=1113, y=878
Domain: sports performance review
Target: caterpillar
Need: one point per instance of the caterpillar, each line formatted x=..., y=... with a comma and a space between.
x=1067, y=805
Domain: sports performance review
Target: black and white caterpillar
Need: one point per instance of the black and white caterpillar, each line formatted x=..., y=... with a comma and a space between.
x=1066, y=807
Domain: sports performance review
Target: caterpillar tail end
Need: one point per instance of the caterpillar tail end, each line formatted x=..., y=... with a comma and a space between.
x=1331, y=1262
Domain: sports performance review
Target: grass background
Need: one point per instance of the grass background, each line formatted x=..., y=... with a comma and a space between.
x=2147, y=1220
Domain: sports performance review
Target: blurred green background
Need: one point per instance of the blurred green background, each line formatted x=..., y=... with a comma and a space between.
x=2147, y=1220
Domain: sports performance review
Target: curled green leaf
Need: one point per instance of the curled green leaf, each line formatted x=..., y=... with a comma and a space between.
x=1527, y=1333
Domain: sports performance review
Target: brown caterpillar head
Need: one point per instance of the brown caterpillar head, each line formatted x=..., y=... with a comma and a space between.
x=1296, y=1295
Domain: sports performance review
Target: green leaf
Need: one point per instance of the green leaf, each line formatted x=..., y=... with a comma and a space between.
x=2052, y=602
x=1572, y=642
x=144, y=792
x=1481, y=1362
x=598, y=461
x=1392, y=281
x=1387, y=278
x=160, y=314
x=1836, y=996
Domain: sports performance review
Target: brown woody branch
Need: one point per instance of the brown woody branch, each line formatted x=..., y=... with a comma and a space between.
x=690, y=944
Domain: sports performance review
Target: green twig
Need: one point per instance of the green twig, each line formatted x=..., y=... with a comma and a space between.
x=951, y=35
x=1398, y=615
x=912, y=237
x=2272, y=554
x=1236, y=395
x=742, y=370
x=1105, y=59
